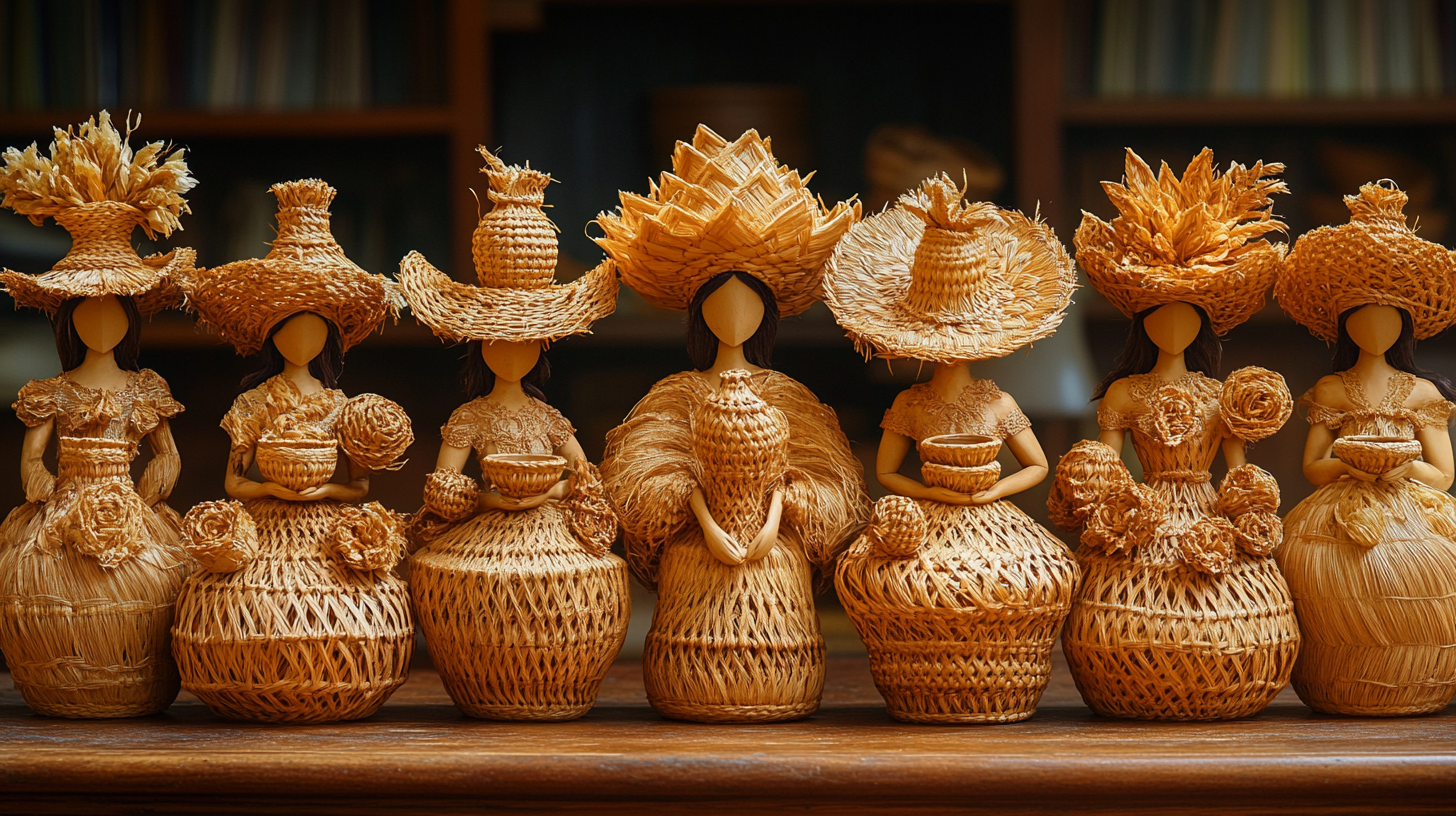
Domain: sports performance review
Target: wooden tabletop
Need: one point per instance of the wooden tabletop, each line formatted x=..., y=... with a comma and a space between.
x=421, y=755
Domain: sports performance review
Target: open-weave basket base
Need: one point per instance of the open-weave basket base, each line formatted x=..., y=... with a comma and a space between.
x=294, y=636
x=82, y=641
x=1379, y=623
x=963, y=631
x=1158, y=641
x=521, y=622
x=734, y=644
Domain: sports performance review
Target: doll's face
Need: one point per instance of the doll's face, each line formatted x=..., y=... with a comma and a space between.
x=1173, y=328
x=733, y=312
x=100, y=322
x=1374, y=328
x=511, y=361
x=302, y=338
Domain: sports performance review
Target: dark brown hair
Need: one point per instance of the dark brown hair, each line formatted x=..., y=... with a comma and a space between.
x=1203, y=355
x=1401, y=356
x=703, y=344
x=327, y=366
x=477, y=379
x=73, y=352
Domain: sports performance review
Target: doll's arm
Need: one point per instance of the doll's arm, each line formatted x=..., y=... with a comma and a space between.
x=237, y=484
x=720, y=544
x=1233, y=452
x=161, y=473
x=1436, y=468
x=1113, y=438
x=893, y=449
x=1027, y=450
x=39, y=482
x=1319, y=467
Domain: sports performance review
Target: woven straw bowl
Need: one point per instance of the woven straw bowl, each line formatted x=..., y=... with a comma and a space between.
x=297, y=464
x=1376, y=454
x=518, y=475
x=966, y=480
x=961, y=450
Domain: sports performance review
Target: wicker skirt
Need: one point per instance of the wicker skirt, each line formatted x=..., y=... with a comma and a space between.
x=963, y=631
x=734, y=644
x=521, y=621
x=1379, y=623
x=294, y=636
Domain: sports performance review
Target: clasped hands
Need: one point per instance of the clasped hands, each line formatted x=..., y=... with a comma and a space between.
x=725, y=547
x=1394, y=474
x=493, y=500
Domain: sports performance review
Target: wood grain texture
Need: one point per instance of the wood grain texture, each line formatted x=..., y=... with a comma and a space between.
x=419, y=753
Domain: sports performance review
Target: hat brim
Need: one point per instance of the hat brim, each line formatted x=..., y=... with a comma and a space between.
x=150, y=283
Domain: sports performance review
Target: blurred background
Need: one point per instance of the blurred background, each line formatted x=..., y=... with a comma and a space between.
x=1031, y=101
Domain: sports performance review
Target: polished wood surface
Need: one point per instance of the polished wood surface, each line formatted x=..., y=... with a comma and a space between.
x=419, y=754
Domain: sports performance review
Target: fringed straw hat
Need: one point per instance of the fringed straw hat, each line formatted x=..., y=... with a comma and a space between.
x=305, y=272
x=727, y=206
x=1190, y=240
x=515, y=253
x=935, y=278
x=1374, y=259
x=100, y=191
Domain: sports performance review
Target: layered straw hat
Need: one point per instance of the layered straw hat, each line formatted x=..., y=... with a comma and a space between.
x=305, y=272
x=936, y=278
x=727, y=206
x=1192, y=240
x=514, y=249
x=1374, y=259
x=100, y=191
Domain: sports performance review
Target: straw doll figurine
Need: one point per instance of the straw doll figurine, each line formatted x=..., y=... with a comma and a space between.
x=957, y=594
x=735, y=487
x=522, y=604
x=91, y=565
x=1371, y=555
x=1182, y=614
x=294, y=615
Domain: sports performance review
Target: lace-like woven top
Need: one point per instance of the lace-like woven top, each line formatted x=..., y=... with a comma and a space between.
x=127, y=414
x=923, y=413
x=533, y=428
x=1176, y=427
x=1389, y=418
x=277, y=405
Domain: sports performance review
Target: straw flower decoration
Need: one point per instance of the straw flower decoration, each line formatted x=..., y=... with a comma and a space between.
x=1255, y=403
x=106, y=523
x=1259, y=533
x=368, y=537
x=1175, y=414
x=1361, y=517
x=450, y=494
x=1208, y=546
x=591, y=517
x=1127, y=513
x=897, y=526
x=1085, y=474
x=221, y=535
x=1247, y=489
x=374, y=432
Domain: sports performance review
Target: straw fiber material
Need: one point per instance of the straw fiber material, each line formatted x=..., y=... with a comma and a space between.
x=374, y=432
x=1375, y=454
x=1374, y=259
x=936, y=278
x=297, y=462
x=726, y=206
x=1190, y=240
x=518, y=475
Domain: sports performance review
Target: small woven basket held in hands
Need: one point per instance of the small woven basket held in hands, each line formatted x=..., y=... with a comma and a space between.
x=1375, y=454
x=519, y=475
x=297, y=462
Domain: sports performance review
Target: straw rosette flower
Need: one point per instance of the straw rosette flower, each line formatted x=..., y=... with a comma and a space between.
x=368, y=537
x=1255, y=403
x=374, y=432
x=221, y=535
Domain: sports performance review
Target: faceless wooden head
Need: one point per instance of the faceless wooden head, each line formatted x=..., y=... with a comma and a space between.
x=1173, y=328
x=100, y=322
x=733, y=313
x=302, y=338
x=1374, y=328
x=510, y=361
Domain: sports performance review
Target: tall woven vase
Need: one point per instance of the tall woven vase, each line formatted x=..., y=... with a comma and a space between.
x=85, y=631
x=736, y=643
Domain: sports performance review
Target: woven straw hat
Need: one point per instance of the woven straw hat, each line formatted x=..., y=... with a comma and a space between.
x=305, y=272
x=100, y=190
x=935, y=278
x=1190, y=240
x=514, y=248
x=1374, y=259
x=727, y=206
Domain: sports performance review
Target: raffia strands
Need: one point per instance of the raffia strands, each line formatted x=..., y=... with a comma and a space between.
x=936, y=278
x=727, y=206
x=374, y=432
x=295, y=635
x=1375, y=258
x=1192, y=240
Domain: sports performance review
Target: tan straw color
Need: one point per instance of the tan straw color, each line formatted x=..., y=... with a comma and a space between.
x=936, y=278
x=1374, y=259
x=515, y=252
x=100, y=191
x=1190, y=240
x=727, y=206
x=306, y=271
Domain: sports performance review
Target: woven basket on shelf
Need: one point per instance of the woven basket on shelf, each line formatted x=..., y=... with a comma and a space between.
x=960, y=450
x=297, y=463
x=519, y=475
x=1376, y=454
x=968, y=480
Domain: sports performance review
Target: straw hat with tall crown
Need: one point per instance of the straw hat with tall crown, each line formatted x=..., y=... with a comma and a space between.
x=936, y=278
x=1191, y=240
x=306, y=271
x=95, y=186
x=727, y=206
x=1374, y=259
x=514, y=249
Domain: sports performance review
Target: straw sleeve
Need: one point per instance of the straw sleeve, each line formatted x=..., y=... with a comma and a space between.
x=35, y=405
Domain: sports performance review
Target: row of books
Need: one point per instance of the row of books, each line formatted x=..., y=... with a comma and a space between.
x=1268, y=48
x=220, y=54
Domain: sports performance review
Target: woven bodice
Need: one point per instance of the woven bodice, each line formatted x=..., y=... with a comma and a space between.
x=741, y=444
x=1389, y=417
x=486, y=427
x=125, y=415
x=921, y=412
x=1176, y=427
x=277, y=406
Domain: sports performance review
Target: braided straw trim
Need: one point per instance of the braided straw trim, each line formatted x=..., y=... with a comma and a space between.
x=220, y=535
x=374, y=432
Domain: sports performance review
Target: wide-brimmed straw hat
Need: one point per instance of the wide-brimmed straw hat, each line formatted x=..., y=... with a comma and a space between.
x=1192, y=240
x=1374, y=259
x=100, y=191
x=727, y=206
x=306, y=271
x=936, y=278
x=515, y=252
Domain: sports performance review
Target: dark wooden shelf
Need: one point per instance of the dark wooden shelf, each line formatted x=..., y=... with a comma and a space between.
x=173, y=124
x=419, y=754
x=1233, y=111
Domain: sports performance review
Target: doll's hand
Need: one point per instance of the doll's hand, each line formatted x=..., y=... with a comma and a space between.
x=987, y=496
x=722, y=546
x=495, y=501
x=333, y=490
x=562, y=489
x=763, y=543
x=278, y=491
x=1360, y=475
x=945, y=495
x=1395, y=474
